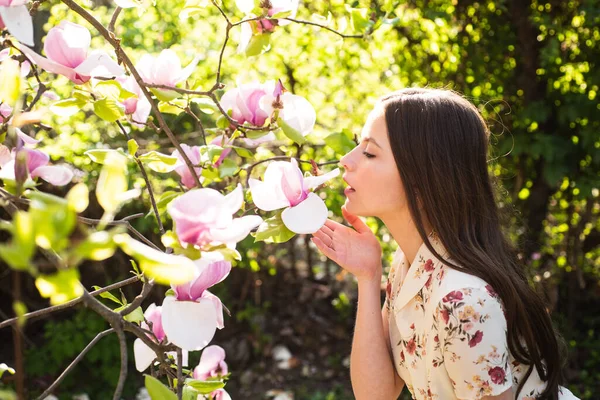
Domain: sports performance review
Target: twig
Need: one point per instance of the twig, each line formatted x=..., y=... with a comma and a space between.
x=324, y=27
x=123, y=372
x=49, y=310
x=18, y=343
x=113, y=20
x=147, y=180
x=75, y=362
x=125, y=222
x=137, y=301
x=179, y=374
x=222, y=12
x=121, y=55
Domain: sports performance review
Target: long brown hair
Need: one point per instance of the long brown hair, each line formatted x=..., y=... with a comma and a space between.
x=440, y=145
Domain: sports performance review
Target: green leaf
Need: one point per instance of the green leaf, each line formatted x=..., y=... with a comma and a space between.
x=136, y=316
x=112, y=182
x=340, y=142
x=165, y=94
x=60, y=287
x=242, y=152
x=159, y=162
x=360, y=19
x=10, y=81
x=174, y=107
x=132, y=147
x=222, y=122
x=189, y=393
x=210, y=153
x=20, y=310
x=258, y=44
x=5, y=368
x=157, y=390
x=192, y=8
x=78, y=197
x=281, y=14
x=290, y=132
x=273, y=230
x=207, y=106
x=204, y=387
x=98, y=246
x=227, y=168
x=108, y=295
x=99, y=155
x=68, y=107
x=113, y=90
x=164, y=268
x=109, y=109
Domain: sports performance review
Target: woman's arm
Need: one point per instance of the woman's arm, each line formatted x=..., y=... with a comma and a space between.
x=358, y=251
x=371, y=367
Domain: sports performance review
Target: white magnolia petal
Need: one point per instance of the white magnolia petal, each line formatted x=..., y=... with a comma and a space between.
x=298, y=113
x=25, y=137
x=311, y=182
x=307, y=217
x=98, y=63
x=245, y=37
x=237, y=231
x=245, y=6
x=19, y=23
x=143, y=355
x=56, y=175
x=187, y=71
x=234, y=200
x=267, y=197
x=188, y=324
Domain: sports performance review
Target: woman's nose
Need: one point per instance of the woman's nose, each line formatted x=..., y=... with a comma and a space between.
x=346, y=162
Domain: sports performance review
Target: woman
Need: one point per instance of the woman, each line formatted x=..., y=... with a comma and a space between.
x=459, y=320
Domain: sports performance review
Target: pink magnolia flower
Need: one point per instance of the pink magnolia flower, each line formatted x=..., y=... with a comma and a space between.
x=193, y=153
x=244, y=102
x=264, y=25
x=221, y=141
x=144, y=355
x=204, y=216
x=254, y=102
x=67, y=48
x=212, y=363
x=220, y=394
x=37, y=166
x=284, y=186
x=15, y=17
x=25, y=65
x=137, y=107
x=165, y=70
x=191, y=317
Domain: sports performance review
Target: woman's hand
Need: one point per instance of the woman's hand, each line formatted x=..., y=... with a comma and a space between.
x=356, y=250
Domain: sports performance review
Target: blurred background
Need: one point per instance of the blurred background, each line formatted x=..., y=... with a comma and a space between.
x=530, y=67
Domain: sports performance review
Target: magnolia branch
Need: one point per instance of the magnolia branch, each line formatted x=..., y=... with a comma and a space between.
x=147, y=180
x=121, y=55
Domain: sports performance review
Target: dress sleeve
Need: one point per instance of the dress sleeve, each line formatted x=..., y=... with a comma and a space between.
x=470, y=334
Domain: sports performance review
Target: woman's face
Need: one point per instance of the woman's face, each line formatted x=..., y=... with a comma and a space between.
x=375, y=188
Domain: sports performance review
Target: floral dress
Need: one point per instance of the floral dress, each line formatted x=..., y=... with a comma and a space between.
x=448, y=332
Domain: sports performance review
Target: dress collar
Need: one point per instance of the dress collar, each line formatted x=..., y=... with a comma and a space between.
x=420, y=270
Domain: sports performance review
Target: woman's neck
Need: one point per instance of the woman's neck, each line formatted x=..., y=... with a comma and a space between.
x=405, y=233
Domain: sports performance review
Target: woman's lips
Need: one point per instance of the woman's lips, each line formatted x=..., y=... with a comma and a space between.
x=348, y=190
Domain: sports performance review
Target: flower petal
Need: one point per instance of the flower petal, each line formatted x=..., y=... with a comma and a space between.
x=19, y=23
x=234, y=200
x=56, y=175
x=67, y=44
x=98, y=63
x=245, y=37
x=298, y=113
x=218, y=307
x=307, y=217
x=211, y=362
x=143, y=355
x=210, y=275
x=52, y=66
x=267, y=196
x=166, y=69
x=188, y=70
x=188, y=324
x=311, y=182
x=237, y=231
x=25, y=137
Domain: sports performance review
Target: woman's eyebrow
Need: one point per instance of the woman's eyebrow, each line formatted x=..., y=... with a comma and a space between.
x=371, y=140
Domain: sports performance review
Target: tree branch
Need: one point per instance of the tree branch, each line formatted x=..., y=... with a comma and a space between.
x=74, y=363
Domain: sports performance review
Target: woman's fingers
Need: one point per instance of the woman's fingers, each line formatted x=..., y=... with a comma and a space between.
x=324, y=237
x=328, y=251
x=334, y=225
x=355, y=221
x=326, y=230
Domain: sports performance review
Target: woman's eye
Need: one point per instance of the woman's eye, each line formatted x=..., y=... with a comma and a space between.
x=368, y=155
